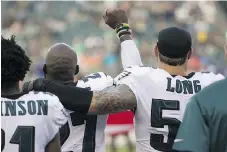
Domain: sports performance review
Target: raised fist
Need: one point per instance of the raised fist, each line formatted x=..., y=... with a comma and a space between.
x=113, y=17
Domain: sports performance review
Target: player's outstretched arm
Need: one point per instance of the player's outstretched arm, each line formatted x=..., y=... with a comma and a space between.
x=112, y=100
x=71, y=97
x=54, y=145
x=118, y=20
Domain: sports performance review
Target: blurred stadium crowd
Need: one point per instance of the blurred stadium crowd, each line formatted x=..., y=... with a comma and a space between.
x=39, y=24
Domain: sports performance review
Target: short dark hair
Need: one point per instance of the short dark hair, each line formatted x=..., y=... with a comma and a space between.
x=15, y=63
x=172, y=61
x=61, y=69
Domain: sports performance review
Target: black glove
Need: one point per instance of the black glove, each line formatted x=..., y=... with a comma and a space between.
x=36, y=85
x=27, y=86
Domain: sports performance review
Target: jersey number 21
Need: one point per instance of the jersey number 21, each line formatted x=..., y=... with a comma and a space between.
x=24, y=136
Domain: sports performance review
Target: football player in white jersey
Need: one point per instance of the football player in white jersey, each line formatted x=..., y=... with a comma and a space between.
x=161, y=93
x=29, y=122
x=158, y=95
x=61, y=66
x=82, y=132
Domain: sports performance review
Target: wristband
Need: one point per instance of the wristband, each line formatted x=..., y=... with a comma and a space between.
x=122, y=29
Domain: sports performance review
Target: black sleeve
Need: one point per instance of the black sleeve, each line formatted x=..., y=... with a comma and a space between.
x=72, y=98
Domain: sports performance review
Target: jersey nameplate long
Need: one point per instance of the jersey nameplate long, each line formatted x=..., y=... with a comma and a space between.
x=161, y=101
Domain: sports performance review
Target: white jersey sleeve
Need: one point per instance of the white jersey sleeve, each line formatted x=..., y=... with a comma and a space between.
x=129, y=77
x=89, y=134
x=213, y=77
x=130, y=55
x=96, y=81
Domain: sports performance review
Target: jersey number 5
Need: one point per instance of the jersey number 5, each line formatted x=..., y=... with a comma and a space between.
x=171, y=125
x=24, y=136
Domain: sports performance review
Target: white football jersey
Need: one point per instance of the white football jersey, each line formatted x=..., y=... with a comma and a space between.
x=30, y=122
x=86, y=133
x=161, y=101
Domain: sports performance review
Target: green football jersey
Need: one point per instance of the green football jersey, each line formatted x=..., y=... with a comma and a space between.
x=204, y=127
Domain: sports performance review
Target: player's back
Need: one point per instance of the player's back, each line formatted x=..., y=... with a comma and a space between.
x=161, y=102
x=88, y=129
x=30, y=121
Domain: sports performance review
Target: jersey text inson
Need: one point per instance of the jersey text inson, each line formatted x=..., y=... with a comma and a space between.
x=21, y=108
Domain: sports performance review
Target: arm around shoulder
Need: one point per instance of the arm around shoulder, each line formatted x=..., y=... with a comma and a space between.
x=112, y=100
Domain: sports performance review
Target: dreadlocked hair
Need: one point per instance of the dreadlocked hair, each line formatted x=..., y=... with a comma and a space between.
x=15, y=63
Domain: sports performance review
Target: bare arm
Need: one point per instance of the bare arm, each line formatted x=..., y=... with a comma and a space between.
x=112, y=100
x=130, y=55
x=54, y=145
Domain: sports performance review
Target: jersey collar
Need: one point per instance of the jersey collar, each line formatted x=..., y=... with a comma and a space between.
x=189, y=76
x=13, y=96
